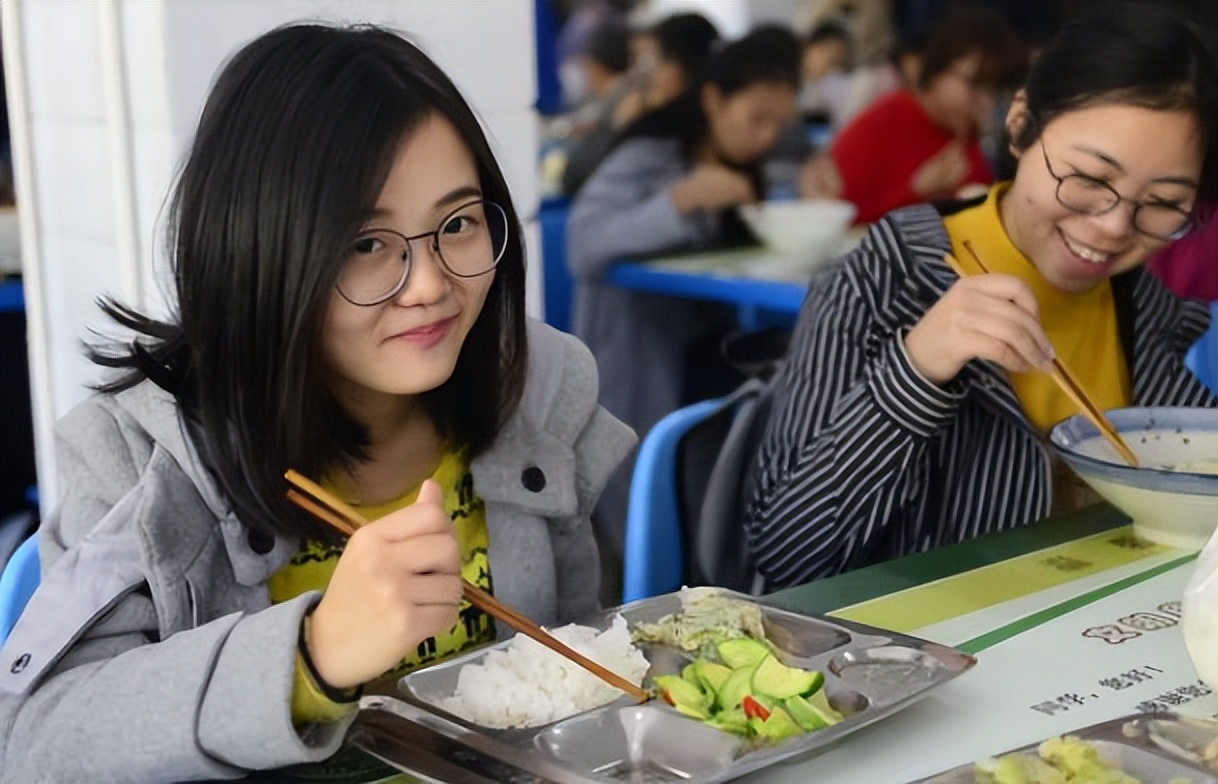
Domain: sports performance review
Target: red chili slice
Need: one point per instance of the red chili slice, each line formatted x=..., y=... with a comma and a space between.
x=753, y=708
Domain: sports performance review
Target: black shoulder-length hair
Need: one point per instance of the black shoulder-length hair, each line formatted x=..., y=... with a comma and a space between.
x=1139, y=54
x=295, y=143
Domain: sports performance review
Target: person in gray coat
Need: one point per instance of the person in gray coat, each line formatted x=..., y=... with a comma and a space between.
x=672, y=184
x=349, y=274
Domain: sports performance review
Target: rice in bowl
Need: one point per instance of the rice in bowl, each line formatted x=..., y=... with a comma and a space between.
x=525, y=684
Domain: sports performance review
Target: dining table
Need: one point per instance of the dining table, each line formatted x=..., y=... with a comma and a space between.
x=1072, y=620
x=756, y=281
x=765, y=285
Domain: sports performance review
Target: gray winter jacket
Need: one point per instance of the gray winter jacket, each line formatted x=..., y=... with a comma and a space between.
x=639, y=340
x=151, y=651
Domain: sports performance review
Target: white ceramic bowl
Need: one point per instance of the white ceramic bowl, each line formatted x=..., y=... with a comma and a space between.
x=1172, y=497
x=812, y=228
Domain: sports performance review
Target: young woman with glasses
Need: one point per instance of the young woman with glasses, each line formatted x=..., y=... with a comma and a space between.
x=913, y=408
x=349, y=274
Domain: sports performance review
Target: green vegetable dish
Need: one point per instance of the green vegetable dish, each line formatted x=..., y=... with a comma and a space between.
x=742, y=688
x=1064, y=760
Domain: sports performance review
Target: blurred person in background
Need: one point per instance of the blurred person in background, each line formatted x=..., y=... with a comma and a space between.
x=672, y=183
x=612, y=85
x=828, y=57
x=683, y=42
x=579, y=19
x=923, y=144
x=666, y=59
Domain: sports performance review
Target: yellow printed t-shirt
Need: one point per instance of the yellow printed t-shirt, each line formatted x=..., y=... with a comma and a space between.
x=1082, y=327
x=311, y=568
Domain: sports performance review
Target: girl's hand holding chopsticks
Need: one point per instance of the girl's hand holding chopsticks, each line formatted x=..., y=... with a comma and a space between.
x=397, y=583
x=993, y=317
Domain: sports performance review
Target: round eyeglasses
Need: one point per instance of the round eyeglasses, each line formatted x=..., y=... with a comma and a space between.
x=1089, y=196
x=468, y=242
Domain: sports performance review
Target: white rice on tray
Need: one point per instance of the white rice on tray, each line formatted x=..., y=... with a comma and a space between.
x=525, y=684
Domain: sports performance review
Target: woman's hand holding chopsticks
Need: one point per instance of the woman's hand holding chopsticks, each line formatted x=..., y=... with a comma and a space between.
x=397, y=583
x=993, y=317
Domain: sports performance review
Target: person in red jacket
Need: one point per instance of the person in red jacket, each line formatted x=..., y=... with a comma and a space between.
x=922, y=145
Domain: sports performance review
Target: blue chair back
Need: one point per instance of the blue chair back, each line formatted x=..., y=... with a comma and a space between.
x=17, y=583
x=653, y=559
x=557, y=283
x=1202, y=357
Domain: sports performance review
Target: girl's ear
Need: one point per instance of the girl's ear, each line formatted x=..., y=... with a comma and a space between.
x=1017, y=120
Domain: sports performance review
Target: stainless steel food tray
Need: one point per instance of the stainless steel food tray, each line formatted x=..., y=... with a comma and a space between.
x=1151, y=747
x=869, y=674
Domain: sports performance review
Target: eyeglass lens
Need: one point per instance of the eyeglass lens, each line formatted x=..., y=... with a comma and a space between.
x=1084, y=194
x=1088, y=195
x=469, y=242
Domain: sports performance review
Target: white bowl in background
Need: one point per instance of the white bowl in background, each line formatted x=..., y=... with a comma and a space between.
x=1172, y=496
x=811, y=228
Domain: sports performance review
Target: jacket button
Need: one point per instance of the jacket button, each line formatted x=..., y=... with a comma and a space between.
x=533, y=479
x=20, y=663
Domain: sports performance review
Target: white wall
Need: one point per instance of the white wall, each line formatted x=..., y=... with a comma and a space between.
x=733, y=18
x=103, y=98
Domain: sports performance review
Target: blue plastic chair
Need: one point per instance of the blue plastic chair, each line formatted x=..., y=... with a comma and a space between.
x=17, y=583
x=653, y=558
x=558, y=285
x=1202, y=358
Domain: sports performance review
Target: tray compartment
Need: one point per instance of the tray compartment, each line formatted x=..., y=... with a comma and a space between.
x=639, y=743
x=887, y=670
x=796, y=637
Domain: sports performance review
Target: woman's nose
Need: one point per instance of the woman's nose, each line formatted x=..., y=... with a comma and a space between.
x=428, y=281
x=1118, y=221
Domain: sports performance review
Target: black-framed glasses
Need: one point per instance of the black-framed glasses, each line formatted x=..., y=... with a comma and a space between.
x=1089, y=196
x=468, y=242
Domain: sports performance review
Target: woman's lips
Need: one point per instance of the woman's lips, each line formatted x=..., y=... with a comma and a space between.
x=1085, y=260
x=1086, y=252
x=427, y=335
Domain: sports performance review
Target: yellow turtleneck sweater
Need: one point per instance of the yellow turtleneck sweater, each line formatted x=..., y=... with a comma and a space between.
x=1082, y=327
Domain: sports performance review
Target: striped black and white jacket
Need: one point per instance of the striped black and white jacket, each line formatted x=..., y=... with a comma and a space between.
x=865, y=460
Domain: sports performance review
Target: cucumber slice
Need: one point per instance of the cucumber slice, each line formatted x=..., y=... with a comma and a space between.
x=733, y=721
x=779, y=726
x=742, y=651
x=710, y=675
x=737, y=684
x=780, y=681
x=680, y=692
x=805, y=715
x=820, y=701
x=693, y=711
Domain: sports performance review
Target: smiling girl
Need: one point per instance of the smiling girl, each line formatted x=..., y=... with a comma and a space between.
x=913, y=408
x=349, y=274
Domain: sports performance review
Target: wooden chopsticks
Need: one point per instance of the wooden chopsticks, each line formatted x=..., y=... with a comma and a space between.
x=323, y=505
x=1065, y=380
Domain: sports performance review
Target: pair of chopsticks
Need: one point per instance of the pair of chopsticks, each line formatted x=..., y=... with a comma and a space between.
x=323, y=505
x=1065, y=380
